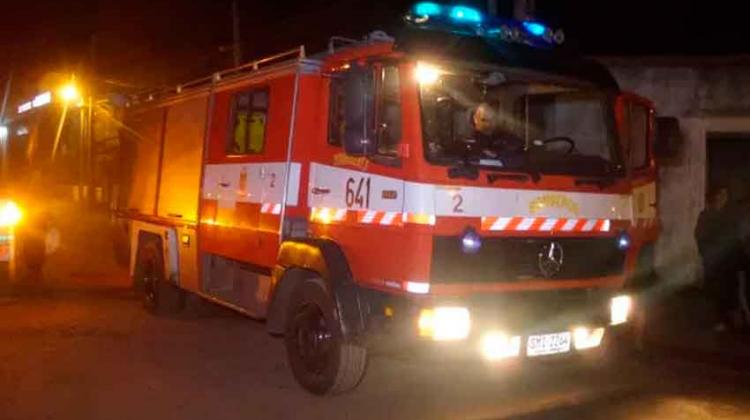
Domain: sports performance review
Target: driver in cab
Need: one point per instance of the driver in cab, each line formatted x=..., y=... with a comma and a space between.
x=492, y=138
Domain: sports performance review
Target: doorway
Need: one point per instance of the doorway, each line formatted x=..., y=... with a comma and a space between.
x=728, y=161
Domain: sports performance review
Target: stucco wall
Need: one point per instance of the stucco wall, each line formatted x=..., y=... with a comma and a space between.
x=706, y=98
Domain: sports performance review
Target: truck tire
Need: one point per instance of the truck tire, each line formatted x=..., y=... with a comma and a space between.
x=158, y=296
x=322, y=361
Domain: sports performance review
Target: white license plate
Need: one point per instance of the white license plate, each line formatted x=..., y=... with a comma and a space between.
x=541, y=345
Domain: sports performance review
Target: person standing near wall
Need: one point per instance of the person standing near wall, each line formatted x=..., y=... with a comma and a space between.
x=720, y=246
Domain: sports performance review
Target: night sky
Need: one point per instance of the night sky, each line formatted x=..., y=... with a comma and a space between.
x=153, y=42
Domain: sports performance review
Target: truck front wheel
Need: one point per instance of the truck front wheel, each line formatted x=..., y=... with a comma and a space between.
x=322, y=361
x=158, y=296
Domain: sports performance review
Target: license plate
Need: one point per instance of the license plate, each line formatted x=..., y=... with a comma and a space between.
x=541, y=345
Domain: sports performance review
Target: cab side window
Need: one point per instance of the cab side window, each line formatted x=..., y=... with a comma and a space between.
x=336, y=117
x=248, y=124
x=638, y=156
x=375, y=126
x=389, y=110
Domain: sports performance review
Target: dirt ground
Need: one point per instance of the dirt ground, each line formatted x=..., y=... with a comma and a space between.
x=93, y=353
x=79, y=346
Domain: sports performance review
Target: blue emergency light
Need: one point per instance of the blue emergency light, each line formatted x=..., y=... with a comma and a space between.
x=471, y=21
x=465, y=14
x=427, y=8
x=535, y=28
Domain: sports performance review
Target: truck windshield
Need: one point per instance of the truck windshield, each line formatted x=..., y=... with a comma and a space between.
x=501, y=122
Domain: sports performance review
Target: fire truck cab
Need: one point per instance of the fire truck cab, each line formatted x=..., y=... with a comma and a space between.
x=463, y=182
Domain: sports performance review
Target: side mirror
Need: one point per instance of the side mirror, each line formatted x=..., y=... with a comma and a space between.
x=359, y=118
x=668, y=137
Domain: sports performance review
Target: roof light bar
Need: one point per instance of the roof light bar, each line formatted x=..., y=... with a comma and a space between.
x=427, y=8
x=535, y=28
x=466, y=14
x=470, y=21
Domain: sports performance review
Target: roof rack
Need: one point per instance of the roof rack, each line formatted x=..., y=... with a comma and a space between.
x=343, y=42
x=255, y=65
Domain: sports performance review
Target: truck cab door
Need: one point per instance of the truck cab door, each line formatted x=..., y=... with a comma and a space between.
x=364, y=124
x=635, y=117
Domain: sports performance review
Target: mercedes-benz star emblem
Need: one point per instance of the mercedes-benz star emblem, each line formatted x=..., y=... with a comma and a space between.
x=551, y=259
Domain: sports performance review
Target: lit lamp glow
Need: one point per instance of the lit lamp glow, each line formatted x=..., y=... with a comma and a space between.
x=69, y=93
x=497, y=345
x=586, y=338
x=620, y=307
x=10, y=214
x=444, y=323
x=427, y=74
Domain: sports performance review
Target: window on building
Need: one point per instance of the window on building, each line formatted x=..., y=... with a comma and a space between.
x=249, y=119
x=638, y=144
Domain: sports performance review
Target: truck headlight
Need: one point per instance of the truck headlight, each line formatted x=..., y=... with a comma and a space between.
x=10, y=214
x=587, y=338
x=445, y=323
x=497, y=345
x=619, y=309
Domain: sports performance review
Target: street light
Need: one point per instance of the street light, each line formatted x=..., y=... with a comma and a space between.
x=69, y=93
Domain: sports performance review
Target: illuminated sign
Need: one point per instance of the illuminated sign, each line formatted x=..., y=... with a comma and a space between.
x=24, y=107
x=39, y=101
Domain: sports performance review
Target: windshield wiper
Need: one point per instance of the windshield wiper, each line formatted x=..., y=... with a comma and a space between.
x=491, y=178
x=534, y=176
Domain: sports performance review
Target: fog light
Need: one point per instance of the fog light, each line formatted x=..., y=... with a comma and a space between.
x=623, y=241
x=619, y=309
x=471, y=242
x=444, y=323
x=497, y=345
x=586, y=338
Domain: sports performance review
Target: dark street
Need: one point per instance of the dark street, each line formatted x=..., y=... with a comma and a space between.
x=92, y=353
x=330, y=209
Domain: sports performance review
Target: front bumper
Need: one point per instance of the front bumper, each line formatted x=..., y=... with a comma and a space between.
x=392, y=322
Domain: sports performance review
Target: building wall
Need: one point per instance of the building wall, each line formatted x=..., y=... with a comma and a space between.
x=713, y=97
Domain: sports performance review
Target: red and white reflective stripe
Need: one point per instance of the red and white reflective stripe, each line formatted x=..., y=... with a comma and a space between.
x=544, y=224
x=270, y=208
x=385, y=218
x=327, y=215
x=419, y=218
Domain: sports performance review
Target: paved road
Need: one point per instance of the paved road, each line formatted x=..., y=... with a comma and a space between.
x=96, y=355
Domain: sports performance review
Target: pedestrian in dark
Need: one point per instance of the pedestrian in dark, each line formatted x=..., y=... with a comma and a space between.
x=720, y=247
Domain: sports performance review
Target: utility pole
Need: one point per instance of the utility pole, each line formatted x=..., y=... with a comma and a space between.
x=523, y=9
x=236, y=45
x=4, y=141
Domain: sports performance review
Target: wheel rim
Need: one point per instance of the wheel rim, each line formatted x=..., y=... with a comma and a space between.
x=313, y=338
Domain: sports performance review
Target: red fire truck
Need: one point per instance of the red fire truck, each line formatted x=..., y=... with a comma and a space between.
x=465, y=184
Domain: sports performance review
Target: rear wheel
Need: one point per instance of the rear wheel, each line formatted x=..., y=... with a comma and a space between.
x=321, y=360
x=158, y=296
